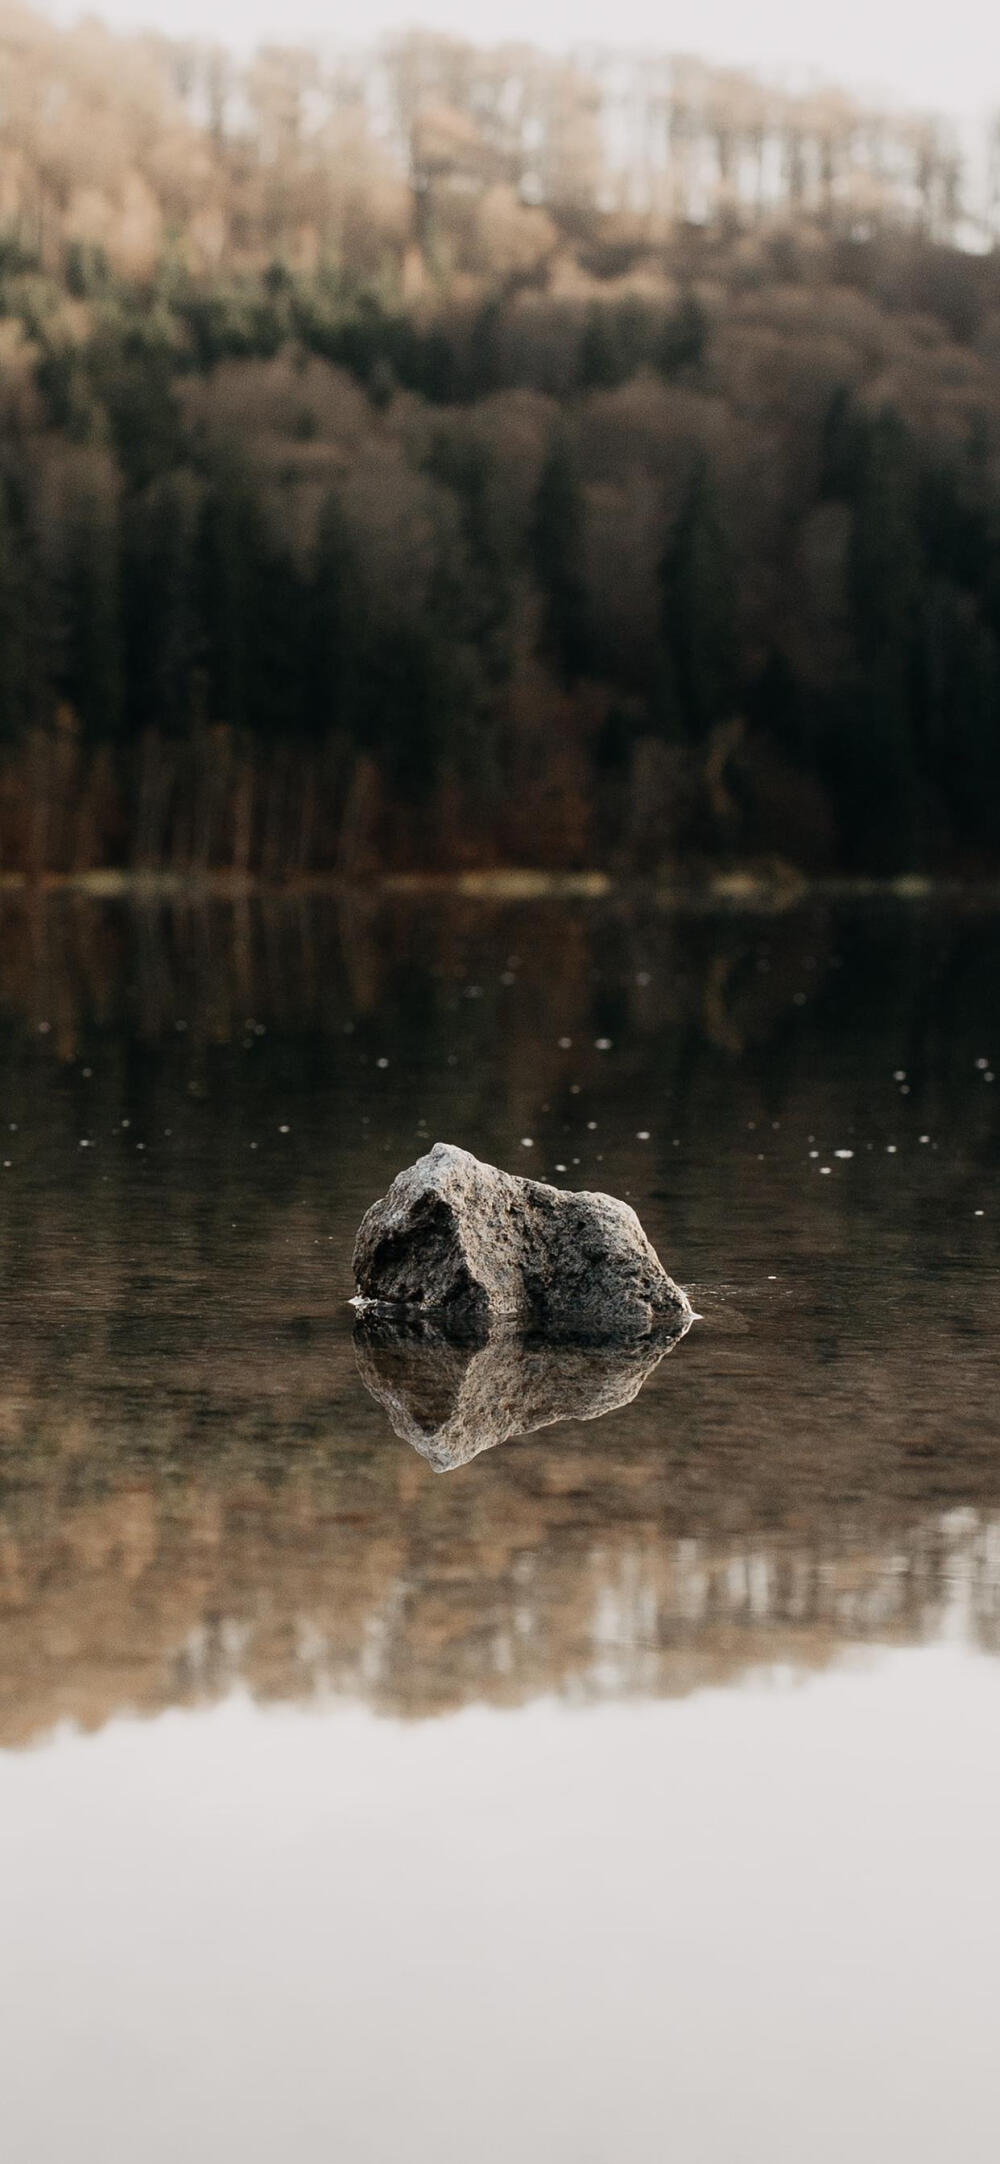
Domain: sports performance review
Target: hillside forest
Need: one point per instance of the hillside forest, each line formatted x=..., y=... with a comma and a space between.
x=440, y=458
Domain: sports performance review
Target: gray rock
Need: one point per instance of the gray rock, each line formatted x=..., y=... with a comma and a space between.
x=450, y=1399
x=472, y=1246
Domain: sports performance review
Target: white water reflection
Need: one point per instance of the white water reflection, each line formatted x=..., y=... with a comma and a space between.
x=755, y=1926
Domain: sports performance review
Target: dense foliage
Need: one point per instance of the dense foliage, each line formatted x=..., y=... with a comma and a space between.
x=618, y=546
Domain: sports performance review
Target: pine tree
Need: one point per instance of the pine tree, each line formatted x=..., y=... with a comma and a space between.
x=277, y=636
x=93, y=672
x=600, y=361
x=683, y=338
x=471, y=589
x=228, y=545
x=24, y=644
x=557, y=536
x=884, y=573
x=161, y=606
x=975, y=766
x=698, y=601
x=841, y=446
x=409, y=702
x=485, y=360
x=337, y=631
x=884, y=564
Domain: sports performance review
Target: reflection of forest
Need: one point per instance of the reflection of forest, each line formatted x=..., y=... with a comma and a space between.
x=195, y=1489
x=306, y=962
x=193, y=1519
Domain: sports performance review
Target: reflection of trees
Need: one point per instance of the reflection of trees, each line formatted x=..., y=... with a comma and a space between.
x=671, y=966
x=194, y=1489
x=180, y=1522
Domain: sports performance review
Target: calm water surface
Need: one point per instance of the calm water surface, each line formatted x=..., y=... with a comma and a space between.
x=629, y=1792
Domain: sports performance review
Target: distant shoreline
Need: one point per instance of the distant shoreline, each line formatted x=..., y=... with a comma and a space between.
x=735, y=889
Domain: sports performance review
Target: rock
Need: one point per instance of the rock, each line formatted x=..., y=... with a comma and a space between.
x=471, y=1246
x=450, y=1398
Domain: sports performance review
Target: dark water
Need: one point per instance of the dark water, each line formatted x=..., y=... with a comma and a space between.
x=630, y=1791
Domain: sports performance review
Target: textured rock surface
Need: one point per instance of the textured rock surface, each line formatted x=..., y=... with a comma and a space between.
x=458, y=1240
x=450, y=1399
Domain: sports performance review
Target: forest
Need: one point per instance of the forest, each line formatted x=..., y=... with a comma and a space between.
x=443, y=458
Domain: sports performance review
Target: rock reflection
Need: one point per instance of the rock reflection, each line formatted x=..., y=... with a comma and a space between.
x=451, y=1399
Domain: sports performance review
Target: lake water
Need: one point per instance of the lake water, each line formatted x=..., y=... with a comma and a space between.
x=630, y=1792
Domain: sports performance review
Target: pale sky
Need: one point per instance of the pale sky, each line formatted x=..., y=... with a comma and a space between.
x=946, y=57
